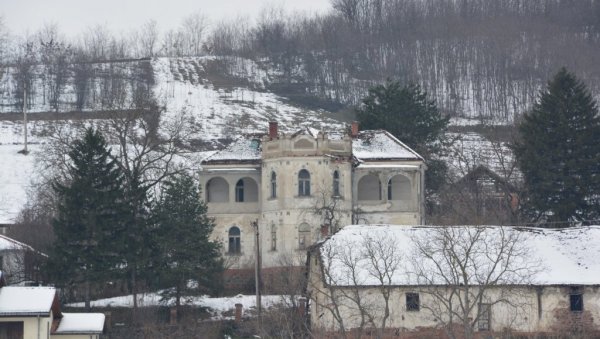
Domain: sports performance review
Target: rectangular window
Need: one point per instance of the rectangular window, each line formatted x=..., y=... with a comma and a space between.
x=12, y=329
x=234, y=245
x=412, y=302
x=576, y=301
x=485, y=313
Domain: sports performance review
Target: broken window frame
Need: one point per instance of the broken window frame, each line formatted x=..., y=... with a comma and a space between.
x=484, y=319
x=413, y=303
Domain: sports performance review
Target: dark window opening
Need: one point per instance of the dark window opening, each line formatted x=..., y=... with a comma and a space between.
x=273, y=185
x=412, y=302
x=485, y=312
x=273, y=238
x=304, y=183
x=576, y=301
x=336, y=184
x=12, y=330
x=235, y=246
x=239, y=191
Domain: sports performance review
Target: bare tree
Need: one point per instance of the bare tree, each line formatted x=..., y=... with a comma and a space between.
x=146, y=39
x=459, y=267
x=192, y=30
x=372, y=260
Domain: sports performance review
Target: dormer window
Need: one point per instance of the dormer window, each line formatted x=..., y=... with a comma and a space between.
x=303, y=183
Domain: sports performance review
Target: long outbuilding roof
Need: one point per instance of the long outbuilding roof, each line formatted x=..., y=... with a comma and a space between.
x=541, y=256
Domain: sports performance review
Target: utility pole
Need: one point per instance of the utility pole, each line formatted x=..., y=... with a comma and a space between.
x=24, y=150
x=257, y=270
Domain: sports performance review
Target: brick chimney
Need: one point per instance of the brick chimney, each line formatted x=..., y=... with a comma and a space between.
x=273, y=129
x=238, y=313
x=354, y=129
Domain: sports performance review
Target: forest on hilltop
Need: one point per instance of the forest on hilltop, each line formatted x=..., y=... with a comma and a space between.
x=483, y=59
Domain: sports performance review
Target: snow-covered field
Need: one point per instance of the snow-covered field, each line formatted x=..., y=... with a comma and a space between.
x=217, y=106
x=182, y=86
x=16, y=171
x=216, y=306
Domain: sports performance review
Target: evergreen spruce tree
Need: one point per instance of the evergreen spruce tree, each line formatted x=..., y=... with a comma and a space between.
x=185, y=252
x=410, y=116
x=559, y=153
x=87, y=225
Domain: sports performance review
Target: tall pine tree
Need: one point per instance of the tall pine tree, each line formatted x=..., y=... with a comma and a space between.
x=407, y=113
x=185, y=252
x=559, y=153
x=88, y=223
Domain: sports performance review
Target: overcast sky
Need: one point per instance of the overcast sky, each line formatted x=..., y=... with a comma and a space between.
x=73, y=16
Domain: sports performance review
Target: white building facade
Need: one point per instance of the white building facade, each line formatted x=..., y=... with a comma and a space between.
x=297, y=188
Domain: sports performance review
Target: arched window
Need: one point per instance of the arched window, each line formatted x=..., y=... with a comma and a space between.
x=304, y=237
x=273, y=185
x=235, y=246
x=304, y=183
x=369, y=188
x=239, y=191
x=336, y=184
x=399, y=188
x=273, y=238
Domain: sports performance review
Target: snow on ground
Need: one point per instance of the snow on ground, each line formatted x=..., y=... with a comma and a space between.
x=225, y=112
x=472, y=149
x=16, y=171
x=217, y=306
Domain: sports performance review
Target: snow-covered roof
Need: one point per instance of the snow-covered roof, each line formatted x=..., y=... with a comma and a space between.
x=381, y=145
x=244, y=149
x=568, y=256
x=7, y=243
x=77, y=323
x=16, y=300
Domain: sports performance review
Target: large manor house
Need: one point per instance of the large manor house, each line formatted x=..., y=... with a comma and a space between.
x=295, y=189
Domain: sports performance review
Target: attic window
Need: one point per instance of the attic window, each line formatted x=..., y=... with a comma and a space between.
x=576, y=301
x=412, y=302
x=254, y=144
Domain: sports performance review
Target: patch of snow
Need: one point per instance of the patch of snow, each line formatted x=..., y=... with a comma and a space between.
x=217, y=306
x=80, y=323
x=16, y=172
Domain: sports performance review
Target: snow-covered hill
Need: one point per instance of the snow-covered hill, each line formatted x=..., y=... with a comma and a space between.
x=220, y=98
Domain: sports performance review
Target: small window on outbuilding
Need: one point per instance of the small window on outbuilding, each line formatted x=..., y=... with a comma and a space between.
x=576, y=301
x=485, y=316
x=412, y=302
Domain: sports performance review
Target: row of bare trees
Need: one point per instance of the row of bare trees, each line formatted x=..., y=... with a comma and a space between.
x=455, y=270
x=481, y=58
